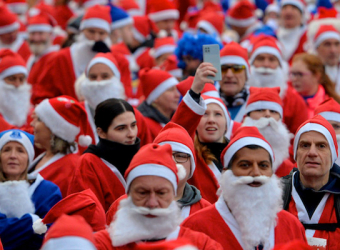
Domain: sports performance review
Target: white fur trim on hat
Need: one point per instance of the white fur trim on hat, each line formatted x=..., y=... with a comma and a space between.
x=40, y=28
x=264, y=105
x=176, y=73
x=69, y=242
x=330, y=116
x=95, y=23
x=160, y=89
x=152, y=169
x=241, y=22
x=18, y=8
x=268, y=50
x=164, y=49
x=9, y=28
x=203, y=24
x=13, y=70
x=180, y=147
x=235, y=60
x=212, y=93
x=121, y=23
x=326, y=35
x=164, y=15
x=298, y=4
x=317, y=128
x=138, y=36
x=241, y=143
x=105, y=61
x=55, y=122
x=209, y=101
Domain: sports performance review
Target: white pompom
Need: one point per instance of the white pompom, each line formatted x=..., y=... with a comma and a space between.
x=181, y=173
x=162, y=34
x=184, y=25
x=152, y=52
x=39, y=227
x=84, y=140
x=259, y=13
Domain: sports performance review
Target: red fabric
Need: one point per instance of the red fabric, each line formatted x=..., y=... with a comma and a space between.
x=210, y=222
x=285, y=168
x=61, y=172
x=4, y=125
x=93, y=173
x=301, y=46
x=153, y=126
x=24, y=51
x=63, y=14
x=1, y=247
x=314, y=102
x=125, y=74
x=57, y=77
x=202, y=241
x=144, y=60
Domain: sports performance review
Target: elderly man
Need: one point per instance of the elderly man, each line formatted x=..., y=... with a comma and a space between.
x=312, y=192
x=248, y=213
x=268, y=69
x=150, y=212
x=62, y=70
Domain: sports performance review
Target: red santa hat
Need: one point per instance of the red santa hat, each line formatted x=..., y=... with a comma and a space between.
x=17, y=6
x=131, y=7
x=141, y=28
x=178, y=244
x=155, y=82
x=162, y=46
x=233, y=53
x=329, y=109
x=208, y=90
x=163, y=10
x=325, y=32
x=321, y=125
x=244, y=136
x=97, y=17
x=179, y=140
x=156, y=160
x=170, y=66
x=295, y=244
x=300, y=4
x=11, y=63
x=211, y=22
x=242, y=14
x=69, y=233
x=107, y=59
x=84, y=203
x=273, y=7
x=8, y=20
x=323, y=12
x=264, y=98
x=266, y=45
x=65, y=117
x=40, y=23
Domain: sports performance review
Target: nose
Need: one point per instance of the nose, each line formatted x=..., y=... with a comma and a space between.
x=152, y=201
x=267, y=113
x=312, y=151
x=211, y=118
x=16, y=83
x=96, y=37
x=229, y=73
x=255, y=170
x=13, y=154
x=130, y=132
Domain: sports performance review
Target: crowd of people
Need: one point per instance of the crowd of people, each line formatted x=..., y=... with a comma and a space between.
x=113, y=134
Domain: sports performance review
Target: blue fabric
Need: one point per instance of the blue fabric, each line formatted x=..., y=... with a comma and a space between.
x=265, y=30
x=17, y=132
x=117, y=13
x=233, y=111
x=17, y=233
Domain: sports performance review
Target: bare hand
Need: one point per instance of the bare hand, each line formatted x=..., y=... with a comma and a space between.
x=205, y=69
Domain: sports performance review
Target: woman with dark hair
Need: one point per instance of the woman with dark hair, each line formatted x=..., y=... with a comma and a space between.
x=309, y=79
x=101, y=168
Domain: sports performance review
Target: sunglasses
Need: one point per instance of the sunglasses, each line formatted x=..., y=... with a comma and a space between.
x=234, y=68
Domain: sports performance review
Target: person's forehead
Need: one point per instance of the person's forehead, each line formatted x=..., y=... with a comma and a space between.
x=313, y=136
x=266, y=55
x=258, y=154
x=151, y=182
x=330, y=40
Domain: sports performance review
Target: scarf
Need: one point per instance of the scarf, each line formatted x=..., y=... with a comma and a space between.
x=237, y=100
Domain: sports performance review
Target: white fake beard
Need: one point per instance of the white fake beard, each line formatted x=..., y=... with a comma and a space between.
x=39, y=49
x=254, y=208
x=15, y=103
x=96, y=92
x=130, y=224
x=276, y=133
x=267, y=77
x=337, y=161
x=15, y=200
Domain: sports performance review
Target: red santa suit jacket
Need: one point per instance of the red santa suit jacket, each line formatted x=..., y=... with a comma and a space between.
x=202, y=241
x=59, y=170
x=100, y=176
x=217, y=222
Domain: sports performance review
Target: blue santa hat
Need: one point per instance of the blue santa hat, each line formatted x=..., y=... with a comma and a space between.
x=120, y=17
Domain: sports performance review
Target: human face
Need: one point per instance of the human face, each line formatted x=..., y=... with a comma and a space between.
x=151, y=192
x=39, y=38
x=123, y=129
x=9, y=38
x=167, y=102
x=266, y=60
x=291, y=16
x=162, y=58
x=257, y=114
x=16, y=80
x=191, y=65
x=303, y=80
x=185, y=161
x=213, y=124
x=232, y=83
x=126, y=34
x=42, y=134
x=329, y=51
x=313, y=156
x=95, y=34
x=14, y=160
x=336, y=126
x=166, y=25
x=100, y=72
x=252, y=162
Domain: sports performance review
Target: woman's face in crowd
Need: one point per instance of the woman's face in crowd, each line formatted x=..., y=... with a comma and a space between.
x=42, y=134
x=123, y=129
x=14, y=160
x=213, y=124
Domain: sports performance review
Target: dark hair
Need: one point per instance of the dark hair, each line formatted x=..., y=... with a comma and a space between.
x=252, y=147
x=108, y=110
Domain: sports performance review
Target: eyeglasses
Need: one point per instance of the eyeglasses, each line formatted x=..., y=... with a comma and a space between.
x=298, y=74
x=234, y=68
x=180, y=157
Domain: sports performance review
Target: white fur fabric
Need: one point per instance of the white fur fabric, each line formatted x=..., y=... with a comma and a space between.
x=15, y=200
x=254, y=208
x=337, y=161
x=276, y=133
x=131, y=224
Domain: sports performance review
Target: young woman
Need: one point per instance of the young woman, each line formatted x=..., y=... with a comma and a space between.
x=309, y=79
x=101, y=168
x=22, y=202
